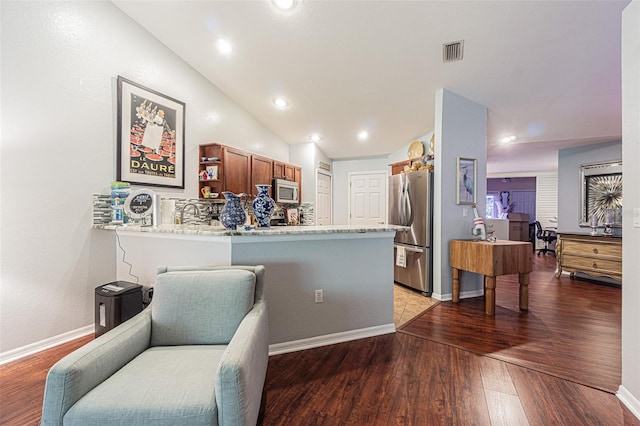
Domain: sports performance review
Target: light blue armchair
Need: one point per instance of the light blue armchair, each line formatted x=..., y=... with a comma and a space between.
x=196, y=356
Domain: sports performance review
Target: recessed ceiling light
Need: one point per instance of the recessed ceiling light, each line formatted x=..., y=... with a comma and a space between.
x=508, y=139
x=315, y=137
x=363, y=135
x=284, y=4
x=280, y=102
x=224, y=46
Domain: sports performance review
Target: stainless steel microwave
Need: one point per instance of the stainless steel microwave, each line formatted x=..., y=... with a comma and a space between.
x=286, y=191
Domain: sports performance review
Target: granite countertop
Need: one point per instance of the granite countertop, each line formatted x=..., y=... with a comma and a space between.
x=208, y=230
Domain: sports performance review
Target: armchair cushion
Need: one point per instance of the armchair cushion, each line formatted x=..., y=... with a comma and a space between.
x=186, y=312
x=166, y=385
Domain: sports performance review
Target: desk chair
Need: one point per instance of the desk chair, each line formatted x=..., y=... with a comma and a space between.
x=532, y=236
x=547, y=236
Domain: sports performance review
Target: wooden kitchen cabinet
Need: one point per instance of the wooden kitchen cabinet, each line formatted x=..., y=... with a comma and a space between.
x=397, y=168
x=289, y=171
x=215, y=179
x=278, y=169
x=598, y=256
x=261, y=173
x=297, y=176
x=237, y=170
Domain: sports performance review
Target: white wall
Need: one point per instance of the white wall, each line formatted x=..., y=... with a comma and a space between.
x=307, y=156
x=59, y=67
x=461, y=131
x=341, y=170
x=401, y=154
x=630, y=390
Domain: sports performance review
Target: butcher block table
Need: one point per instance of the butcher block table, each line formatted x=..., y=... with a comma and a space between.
x=491, y=259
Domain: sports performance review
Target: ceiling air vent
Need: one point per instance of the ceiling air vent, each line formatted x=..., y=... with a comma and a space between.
x=452, y=52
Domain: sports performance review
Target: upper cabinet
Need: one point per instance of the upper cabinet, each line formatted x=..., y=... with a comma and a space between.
x=237, y=170
x=211, y=170
x=397, y=168
x=289, y=172
x=224, y=168
x=278, y=169
x=261, y=173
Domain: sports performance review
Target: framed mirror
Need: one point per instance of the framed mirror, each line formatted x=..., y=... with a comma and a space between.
x=601, y=193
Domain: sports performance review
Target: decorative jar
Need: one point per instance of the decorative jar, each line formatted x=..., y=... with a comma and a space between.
x=263, y=206
x=232, y=213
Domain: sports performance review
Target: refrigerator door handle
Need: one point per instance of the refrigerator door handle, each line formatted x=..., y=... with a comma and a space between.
x=403, y=194
x=408, y=248
x=406, y=211
x=409, y=205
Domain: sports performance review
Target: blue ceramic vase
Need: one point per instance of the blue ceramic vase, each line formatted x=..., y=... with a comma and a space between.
x=263, y=206
x=232, y=213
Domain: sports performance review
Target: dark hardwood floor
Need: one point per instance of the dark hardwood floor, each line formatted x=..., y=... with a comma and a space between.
x=572, y=329
x=393, y=379
x=414, y=377
x=22, y=384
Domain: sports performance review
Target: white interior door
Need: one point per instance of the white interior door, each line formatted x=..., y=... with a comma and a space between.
x=368, y=198
x=323, y=199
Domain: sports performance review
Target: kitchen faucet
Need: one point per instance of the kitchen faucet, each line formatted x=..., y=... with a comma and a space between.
x=196, y=211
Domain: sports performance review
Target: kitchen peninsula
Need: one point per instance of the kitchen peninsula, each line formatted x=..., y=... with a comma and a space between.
x=352, y=265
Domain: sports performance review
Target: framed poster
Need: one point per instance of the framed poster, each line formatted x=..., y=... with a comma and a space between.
x=150, y=136
x=466, y=180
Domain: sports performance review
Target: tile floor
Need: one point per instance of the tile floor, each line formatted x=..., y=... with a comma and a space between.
x=407, y=304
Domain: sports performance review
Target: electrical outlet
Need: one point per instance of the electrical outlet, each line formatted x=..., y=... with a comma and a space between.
x=636, y=218
x=465, y=212
x=319, y=297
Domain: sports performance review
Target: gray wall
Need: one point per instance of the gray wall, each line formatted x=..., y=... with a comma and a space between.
x=569, y=161
x=356, y=296
x=461, y=131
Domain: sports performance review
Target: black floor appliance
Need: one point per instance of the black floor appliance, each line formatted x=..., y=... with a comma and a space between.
x=116, y=302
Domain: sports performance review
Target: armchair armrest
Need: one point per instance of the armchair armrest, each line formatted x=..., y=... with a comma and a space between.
x=82, y=370
x=242, y=370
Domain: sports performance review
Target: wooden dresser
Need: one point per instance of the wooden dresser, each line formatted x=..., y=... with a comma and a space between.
x=597, y=256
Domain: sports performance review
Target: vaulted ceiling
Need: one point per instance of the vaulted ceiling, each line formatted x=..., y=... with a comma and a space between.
x=548, y=71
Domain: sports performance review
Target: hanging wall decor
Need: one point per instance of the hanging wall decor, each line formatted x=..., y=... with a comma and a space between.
x=150, y=136
x=466, y=181
x=601, y=194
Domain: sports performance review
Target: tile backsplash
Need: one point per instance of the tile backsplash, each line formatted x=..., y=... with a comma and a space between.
x=208, y=210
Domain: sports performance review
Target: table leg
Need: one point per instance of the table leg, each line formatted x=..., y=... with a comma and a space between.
x=455, y=296
x=523, y=278
x=489, y=295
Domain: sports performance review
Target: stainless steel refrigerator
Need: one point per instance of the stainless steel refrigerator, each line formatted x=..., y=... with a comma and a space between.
x=411, y=204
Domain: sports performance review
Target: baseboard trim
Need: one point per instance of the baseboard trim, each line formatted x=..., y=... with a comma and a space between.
x=463, y=295
x=16, y=354
x=275, y=349
x=630, y=401
x=330, y=339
